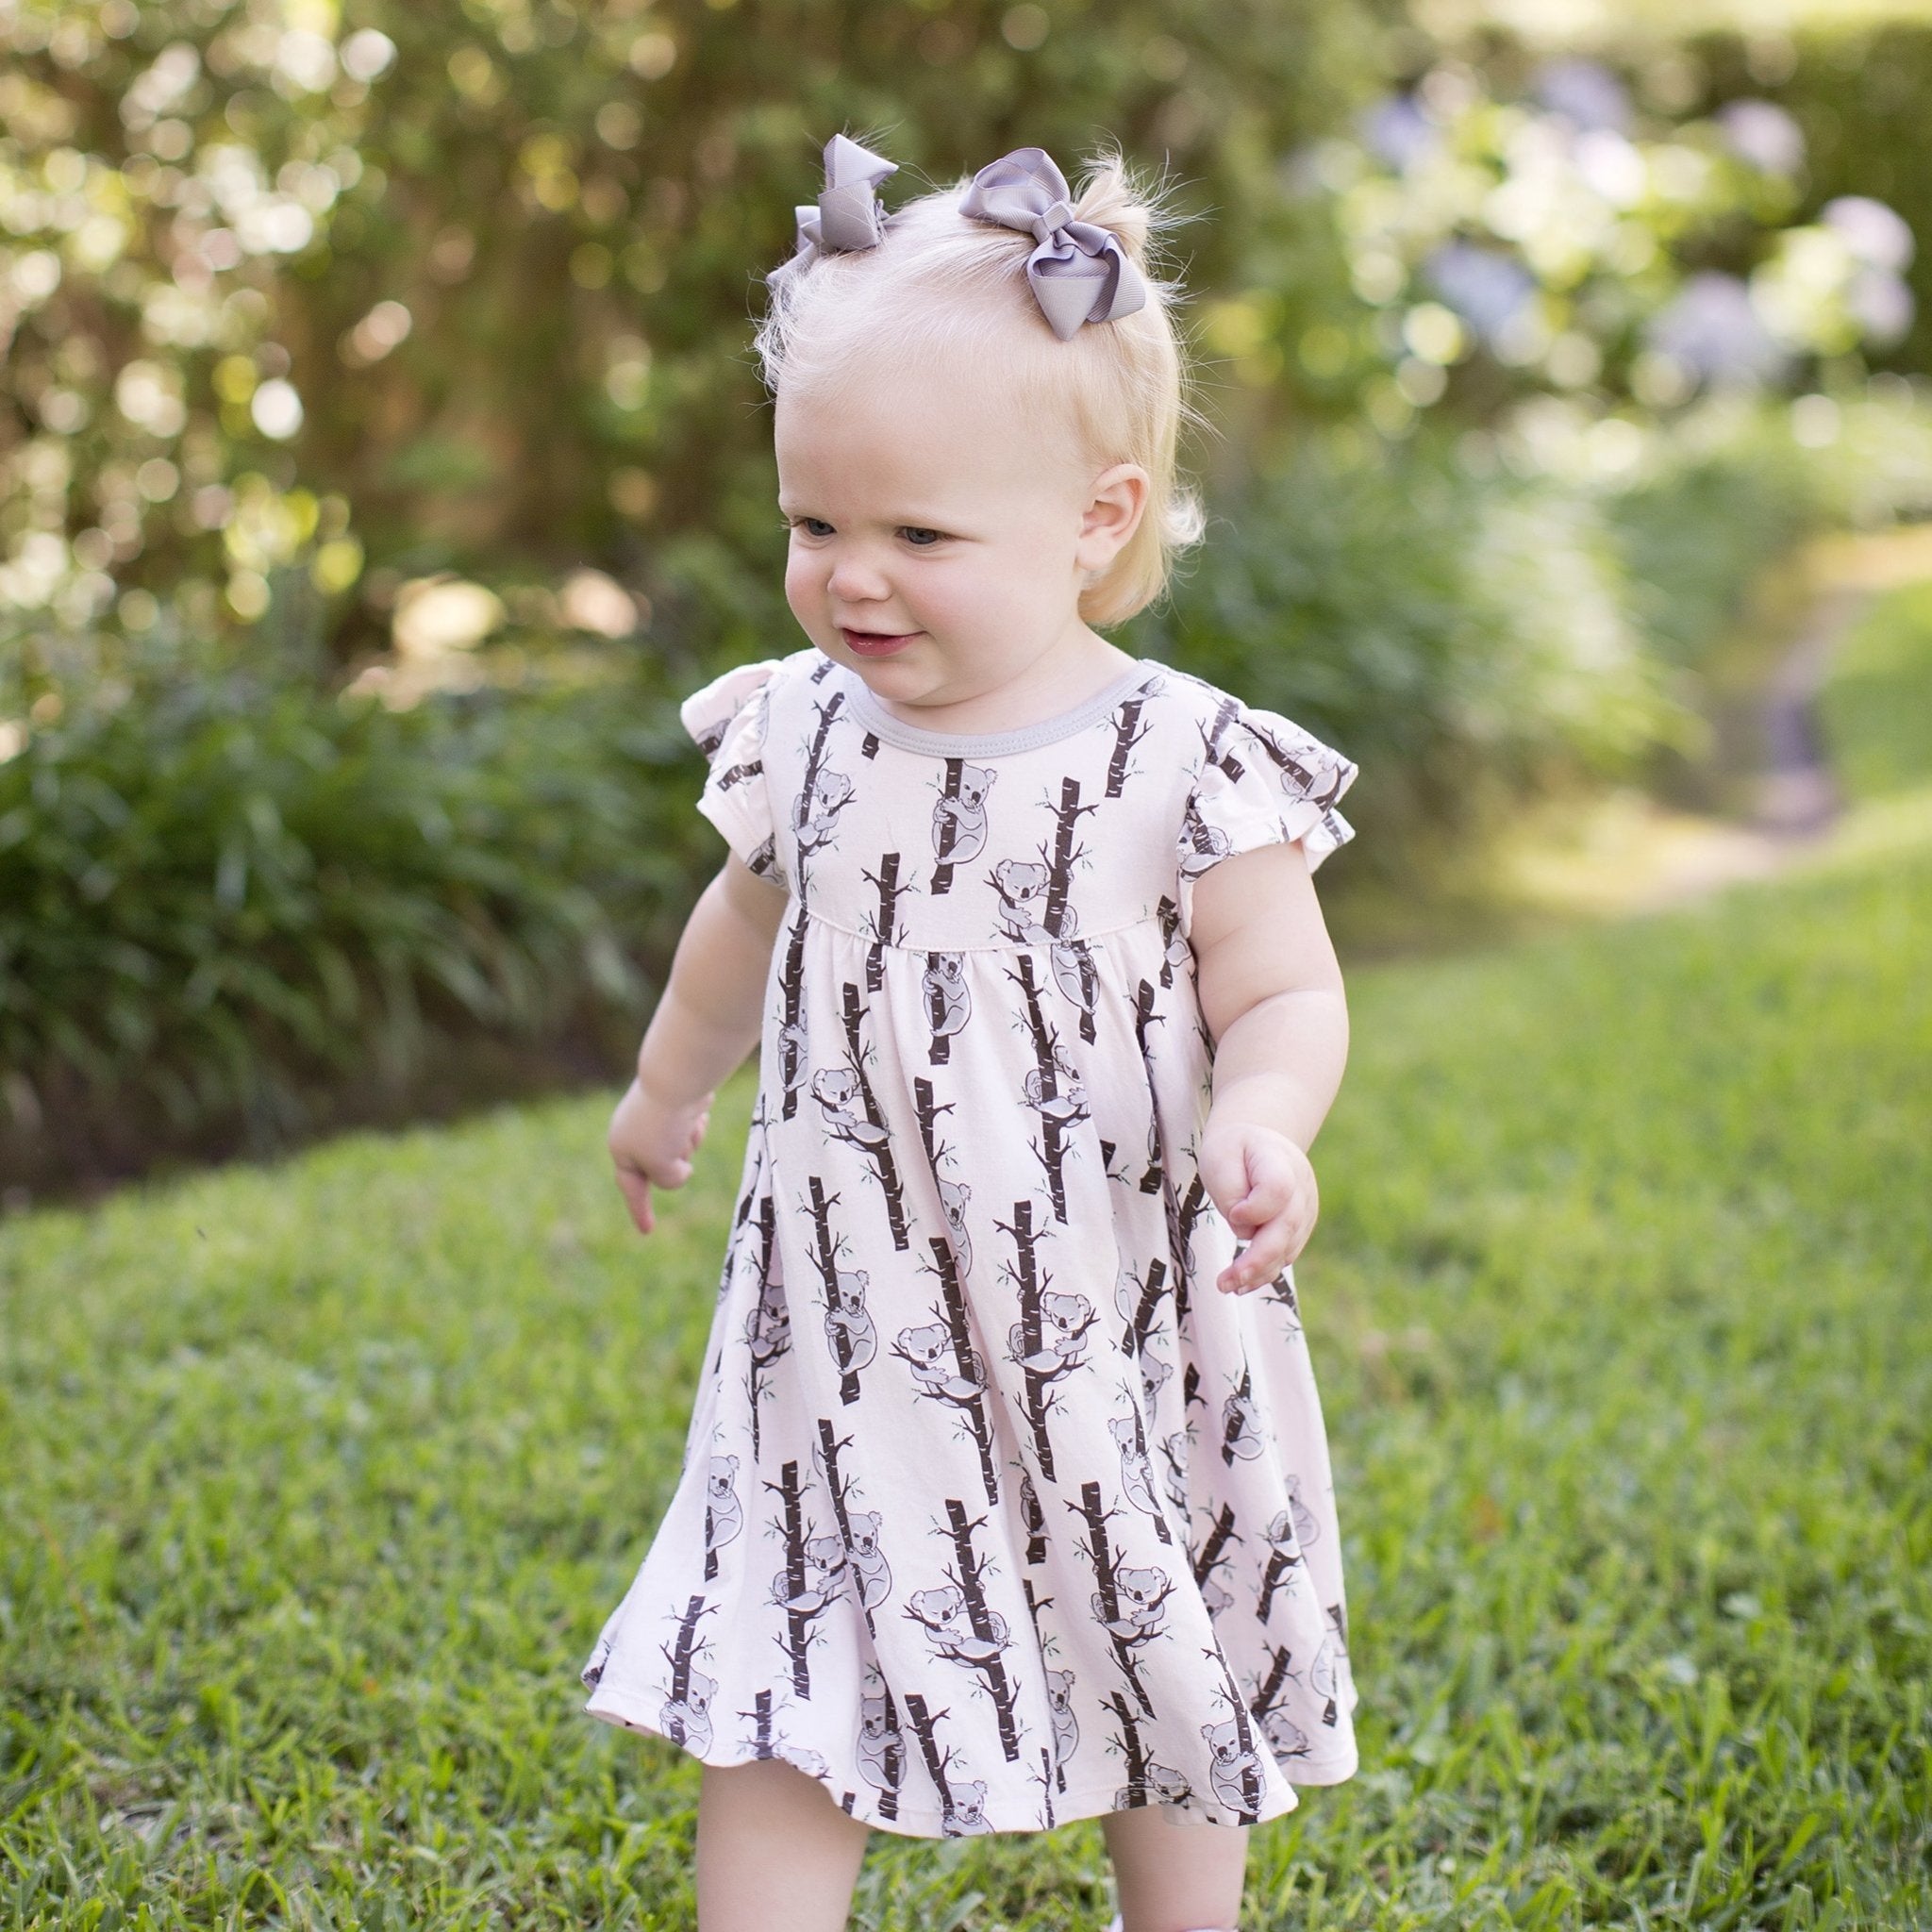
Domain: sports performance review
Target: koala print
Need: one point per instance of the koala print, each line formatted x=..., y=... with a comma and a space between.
x=948, y=999
x=688, y=1720
x=1215, y=1595
x=1024, y=890
x=1161, y=1784
x=1064, y=1320
x=953, y=1196
x=837, y=1092
x=824, y=1573
x=1280, y=1536
x=794, y=1055
x=936, y=1366
x=1173, y=1456
x=959, y=823
x=1306, y=1529
x=821, y=808
x=867, y=1560
x=1154, y=1378
x=1066, y=1727
x=1137, y=1473
x=768, y=1328
x=882, y=1748
x=1065, y=1106
x=965, y=1808
x=943, y=1613
x=1204, y=843
x=1236, y=1767
x=849, y=1331
x=1140, y=1595
x=1242, y=1434
x=724, y=1515
x=1075, y=975
x=1286, y=1738
x=797, y=1755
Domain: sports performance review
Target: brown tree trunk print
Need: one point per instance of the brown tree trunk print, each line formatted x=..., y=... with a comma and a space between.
x=1057, y=1111
x=1032, y=1284
x=1307, y=782
x=989, y=1637
x=798, y=1636
x=946, y=833
x=1182, y=1215
x=1034, y=1520
x=808, y=788
x=1191, y=1388
x=1209, y=1558
x=1233, y=1425
x=681, y=1656
x=1146, y=1308
x=826, y=1257
x=879, y=1151
x=1169, y=933
x=1279, y=1564
x=1144, y=1461
x=791, y=1029
x=760, y=1715
x=1060, y=865
x=959, y=1325
x=885, y=931
x=1145, y=1016
x=1132, y=1751
x=1107, y=1593
x=1127, y=734
x=936, y=1760
x=1268, y=1692
x=1045, y=1781
x=829, y=1446
x=1252, y=1784
x=771, y=1328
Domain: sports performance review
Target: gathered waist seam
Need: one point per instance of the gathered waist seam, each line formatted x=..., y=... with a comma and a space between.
x=1150, y=918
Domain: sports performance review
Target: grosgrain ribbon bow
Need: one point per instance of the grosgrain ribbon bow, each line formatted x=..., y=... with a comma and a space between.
x=847, y=214
x=1078, y=273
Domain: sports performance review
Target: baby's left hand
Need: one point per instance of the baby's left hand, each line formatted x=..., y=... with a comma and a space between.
x=1265, y=1188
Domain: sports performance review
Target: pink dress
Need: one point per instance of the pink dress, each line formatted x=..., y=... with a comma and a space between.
x=995, y=1513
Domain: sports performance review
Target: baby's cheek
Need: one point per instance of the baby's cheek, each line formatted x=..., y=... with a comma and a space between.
x=804, y=590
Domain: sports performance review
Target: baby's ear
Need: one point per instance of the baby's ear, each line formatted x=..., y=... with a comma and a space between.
x=1114, y=509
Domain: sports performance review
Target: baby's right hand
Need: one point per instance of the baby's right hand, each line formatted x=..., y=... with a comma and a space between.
x=652, y=1143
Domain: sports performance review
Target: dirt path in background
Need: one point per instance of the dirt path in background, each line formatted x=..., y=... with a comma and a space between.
x=1639, y=857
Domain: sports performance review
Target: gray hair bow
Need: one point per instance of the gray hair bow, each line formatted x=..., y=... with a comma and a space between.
x=1078, y=273
x=847, y=214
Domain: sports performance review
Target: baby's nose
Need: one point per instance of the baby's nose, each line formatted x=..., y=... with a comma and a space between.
x=858, y=579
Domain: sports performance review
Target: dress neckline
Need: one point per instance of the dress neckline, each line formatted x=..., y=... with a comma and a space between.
x=989, y=745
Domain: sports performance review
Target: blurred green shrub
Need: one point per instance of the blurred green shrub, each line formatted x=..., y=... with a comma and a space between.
x=383, y=290
x=1874, y=711
x=223, y=889
x=1466, y=642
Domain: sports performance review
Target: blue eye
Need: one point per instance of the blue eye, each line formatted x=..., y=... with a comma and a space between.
x=813, y=526
x=920, y=540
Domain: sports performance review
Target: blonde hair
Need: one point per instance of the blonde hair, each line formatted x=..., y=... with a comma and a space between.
x=947, y=283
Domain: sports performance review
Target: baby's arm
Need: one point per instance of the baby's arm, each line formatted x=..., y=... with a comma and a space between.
x=1271, y=992
x=708, y=1021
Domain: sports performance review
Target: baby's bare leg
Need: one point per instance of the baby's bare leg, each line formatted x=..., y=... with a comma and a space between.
x=1175, y=1878
x=773, y=1854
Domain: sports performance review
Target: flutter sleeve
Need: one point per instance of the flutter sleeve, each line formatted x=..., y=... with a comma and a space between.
x=1265, y=781
x=727, y=719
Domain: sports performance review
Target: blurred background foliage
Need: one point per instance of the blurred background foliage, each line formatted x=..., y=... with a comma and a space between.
x=382, y=457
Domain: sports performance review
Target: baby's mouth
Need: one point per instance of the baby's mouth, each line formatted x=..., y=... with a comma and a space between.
x=872, y=643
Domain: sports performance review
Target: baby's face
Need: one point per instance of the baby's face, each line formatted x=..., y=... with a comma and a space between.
x=926, y=508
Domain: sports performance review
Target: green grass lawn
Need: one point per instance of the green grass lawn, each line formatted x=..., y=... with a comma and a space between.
x=320, y=1480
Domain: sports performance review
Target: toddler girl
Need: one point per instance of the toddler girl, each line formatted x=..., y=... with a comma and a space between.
x=1006, y=1500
